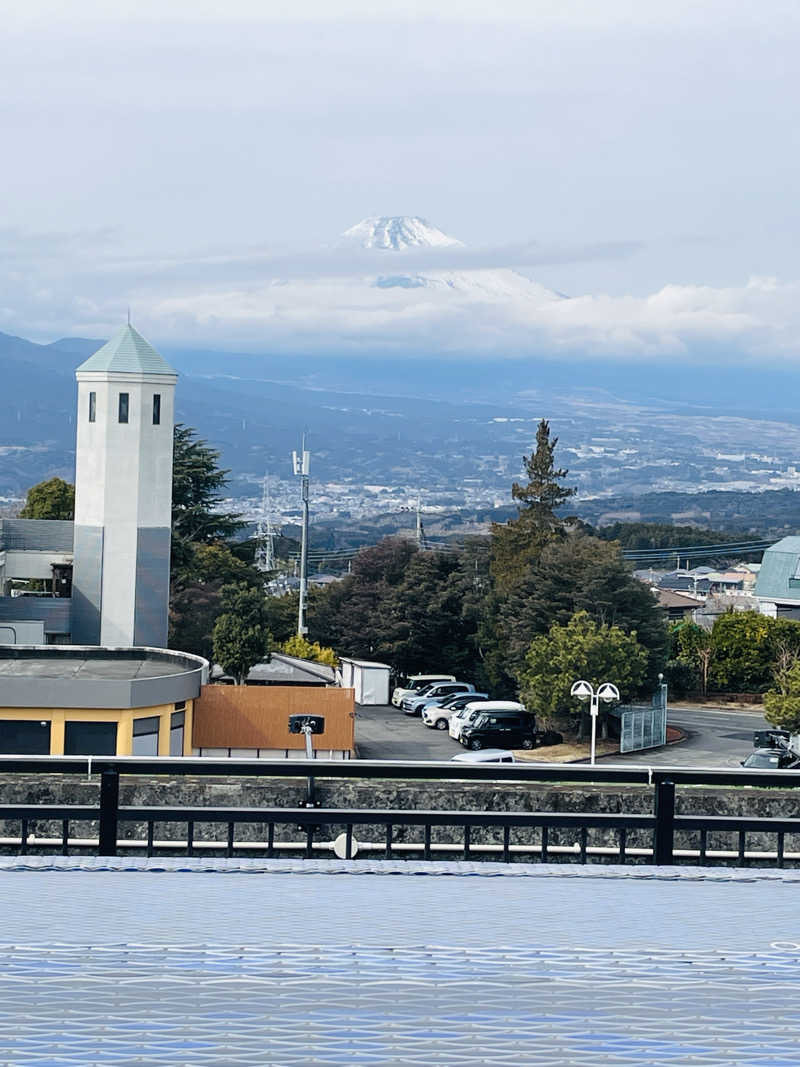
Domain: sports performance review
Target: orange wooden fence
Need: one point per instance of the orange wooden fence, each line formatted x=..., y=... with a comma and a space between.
x=257, y=716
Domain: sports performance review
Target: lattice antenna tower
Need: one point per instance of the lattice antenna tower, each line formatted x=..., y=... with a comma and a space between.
x=265, y=532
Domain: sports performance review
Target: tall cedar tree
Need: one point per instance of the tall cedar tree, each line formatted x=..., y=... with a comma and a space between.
x=516, y=543
x=197, y=484
x=204, y=556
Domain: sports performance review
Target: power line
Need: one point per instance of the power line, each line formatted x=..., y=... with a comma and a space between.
x=644, y=555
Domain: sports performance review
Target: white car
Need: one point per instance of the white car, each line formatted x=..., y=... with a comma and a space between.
x=486, y=755
x=434, y=694
x=417, y=682
x=460, y=718
x=438, y=716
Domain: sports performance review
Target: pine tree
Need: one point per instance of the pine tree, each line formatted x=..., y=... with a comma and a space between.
x=516, y=543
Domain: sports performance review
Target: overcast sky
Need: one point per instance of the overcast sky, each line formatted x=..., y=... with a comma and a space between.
x=180, y=156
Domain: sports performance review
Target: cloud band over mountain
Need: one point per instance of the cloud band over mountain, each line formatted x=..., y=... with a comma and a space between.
x=415, y=297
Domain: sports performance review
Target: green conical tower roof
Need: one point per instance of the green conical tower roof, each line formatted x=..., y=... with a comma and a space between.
x=127, y=353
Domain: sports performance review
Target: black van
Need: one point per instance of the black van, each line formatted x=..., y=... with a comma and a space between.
x=500, y=729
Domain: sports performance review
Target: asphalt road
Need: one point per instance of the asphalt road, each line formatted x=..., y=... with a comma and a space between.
x=716, y=738
x=384, y=732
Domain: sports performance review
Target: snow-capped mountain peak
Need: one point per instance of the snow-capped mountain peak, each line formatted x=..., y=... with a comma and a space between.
x=398, y=232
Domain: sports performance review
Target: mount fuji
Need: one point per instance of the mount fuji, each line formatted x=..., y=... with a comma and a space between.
x=391, y=282
x=409, y=234
x=398, y=232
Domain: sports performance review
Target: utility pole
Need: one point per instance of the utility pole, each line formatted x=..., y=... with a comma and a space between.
x=421, y=542
x=300, y=463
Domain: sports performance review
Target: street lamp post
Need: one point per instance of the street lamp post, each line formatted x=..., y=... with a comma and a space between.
x=585, y=691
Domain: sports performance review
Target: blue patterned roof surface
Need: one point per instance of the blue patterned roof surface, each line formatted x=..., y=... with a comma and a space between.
x=297, y=962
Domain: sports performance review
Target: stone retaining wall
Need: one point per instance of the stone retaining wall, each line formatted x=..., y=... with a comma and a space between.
x=403, y=795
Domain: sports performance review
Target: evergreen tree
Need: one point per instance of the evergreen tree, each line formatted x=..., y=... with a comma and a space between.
x=53, y=499
x=782, y=703
x=241, y=637
x=197, y=515
x=580, y=649
x=579, y=573
x=516, y=543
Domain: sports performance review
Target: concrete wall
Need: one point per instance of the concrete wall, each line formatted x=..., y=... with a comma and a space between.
x=123, y=488
x=54, y=612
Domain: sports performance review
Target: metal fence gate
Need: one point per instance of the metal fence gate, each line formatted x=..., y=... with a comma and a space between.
x=641, y=725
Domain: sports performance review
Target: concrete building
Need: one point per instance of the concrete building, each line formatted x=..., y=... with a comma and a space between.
x=123, y=494
x=74, y=701
x=107, y=574
x=777, y=589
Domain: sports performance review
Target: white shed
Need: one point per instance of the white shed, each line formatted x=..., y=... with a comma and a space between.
x=370, y=680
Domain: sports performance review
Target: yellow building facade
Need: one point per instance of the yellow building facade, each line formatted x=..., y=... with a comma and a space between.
x=87, y=701
x=165, y=730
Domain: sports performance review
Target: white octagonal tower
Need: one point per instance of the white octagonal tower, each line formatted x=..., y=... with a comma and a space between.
x=123, y=495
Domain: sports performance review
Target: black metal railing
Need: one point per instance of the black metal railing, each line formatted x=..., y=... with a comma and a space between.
x=659, y=834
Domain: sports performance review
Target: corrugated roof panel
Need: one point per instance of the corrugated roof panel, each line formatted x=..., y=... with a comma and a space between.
x=778, y=566
x=54, y=612
x=36, y=535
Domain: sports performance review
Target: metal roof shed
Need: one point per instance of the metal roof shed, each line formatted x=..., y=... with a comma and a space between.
x=370, y=680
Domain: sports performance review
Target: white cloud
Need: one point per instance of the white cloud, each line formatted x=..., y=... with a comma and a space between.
x=486, y=315
x=459, y=301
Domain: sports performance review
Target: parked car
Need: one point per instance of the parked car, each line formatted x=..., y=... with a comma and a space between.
x=776, y=759
x=438, y=715
x=416, y=683
x=500, y=729
x=775, y=750
x=414, y=705
x=459, y=718
x=486, y=755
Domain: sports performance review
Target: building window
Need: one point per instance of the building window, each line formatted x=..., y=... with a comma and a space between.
x=176, y=728
x=92, y=407
x=25, y=737
x=90, y=739
x=145, y=736
x=123, y=407
x=180, y=705
x=156, y=409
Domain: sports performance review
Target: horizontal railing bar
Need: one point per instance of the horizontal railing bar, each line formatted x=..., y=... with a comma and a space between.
x=377, y=816
x=49, y=811
x=735, y=823
x=397, y=846
x=632, y=774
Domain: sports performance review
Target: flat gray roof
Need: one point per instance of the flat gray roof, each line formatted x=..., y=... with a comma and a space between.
x=79, y=676
x=90, y=667
x=296, y=962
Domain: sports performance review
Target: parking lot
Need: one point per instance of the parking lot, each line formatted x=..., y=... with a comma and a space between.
x=715, y=737
x=384, y=732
